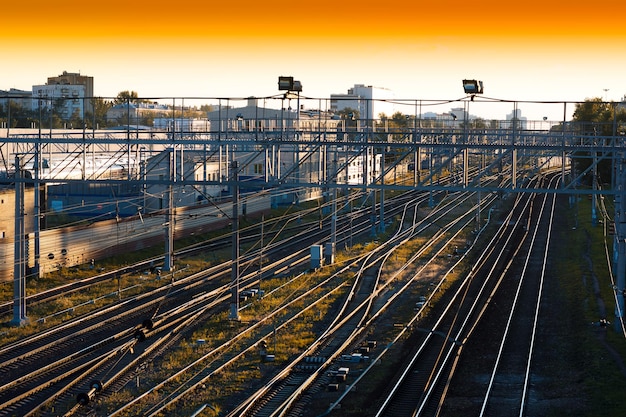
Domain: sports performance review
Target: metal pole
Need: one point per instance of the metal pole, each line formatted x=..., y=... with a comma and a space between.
x=169, y=222
x=416, y=158
x=514, y=149
x=373, y=213
x=333, y=229
x=36, y=201
x=381, y=226
x=261, y=253
x=234, y=304
x=620, y=236
x=297, y=153
x=19, y=271
x=351, y=244
x=431, y=200
x=563, y=154
x=465, y=145
x=594, y=215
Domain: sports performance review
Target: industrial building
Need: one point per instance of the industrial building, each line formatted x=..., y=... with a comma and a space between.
x=370, y=102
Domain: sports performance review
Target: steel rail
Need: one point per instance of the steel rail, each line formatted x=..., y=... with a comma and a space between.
x=282, y=409
x=459, y=294
x=512, y=311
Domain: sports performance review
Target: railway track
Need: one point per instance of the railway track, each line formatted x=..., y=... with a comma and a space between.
x=507, y=389
x=287, y=224
x=102, y=329
x=478, y=301
x=243, y=344
x=20, y=361
x=369, y=299
x=103, y=350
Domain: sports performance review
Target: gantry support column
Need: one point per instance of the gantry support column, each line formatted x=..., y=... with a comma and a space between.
x=514, y=168
x=234, y=275
x=168, y=263
x=381, y=225
x=20, y=255
x=620, y=235
x=465, y=167
x=594, y=181
x=331, y=250
x=37, y=202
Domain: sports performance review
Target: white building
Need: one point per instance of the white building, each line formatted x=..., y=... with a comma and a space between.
x=17, y=97
x=457, y=113
x=359, y=169
x=182, y=125
x=370, y=102
x=255, y=123
x=129, y=112
x=66, y=99
x=516, y=115
x=192, y=165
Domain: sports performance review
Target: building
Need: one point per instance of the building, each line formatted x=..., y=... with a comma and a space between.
x=72, y=78
x=21, y=98
x=137, y=113
x=251, y=118
x=459, y=114
x=181, y=124
x=67, y=100
x=515, y=117
x=621, y=105
x=253, y=123
x=187, y=165
x=359, y=168
x=370, y=102
x=257, y=123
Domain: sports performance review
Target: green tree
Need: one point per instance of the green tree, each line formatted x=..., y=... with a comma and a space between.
x=594, y=117
x=350, y=114
x=479, y=123
x=350, y=117
x=17, y=116
x=126, y=96
x=602, y=120
x=98, y=118
x=147, y=120
x=394, y=129
x=76, y=121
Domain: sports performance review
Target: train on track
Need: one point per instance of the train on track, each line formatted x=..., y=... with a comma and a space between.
x=78, y=245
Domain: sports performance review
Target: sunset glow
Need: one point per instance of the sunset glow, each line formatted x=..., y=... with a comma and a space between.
x=523, y=50
x=280, y=19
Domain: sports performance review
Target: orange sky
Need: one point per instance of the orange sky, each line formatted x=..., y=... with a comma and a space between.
x=523, y=50
x=320, y=19
x=322, y=26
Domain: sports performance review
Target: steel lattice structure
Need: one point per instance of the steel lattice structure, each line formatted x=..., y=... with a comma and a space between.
x=310, y=152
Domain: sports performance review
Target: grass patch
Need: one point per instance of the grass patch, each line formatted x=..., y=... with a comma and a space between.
x=592, y=357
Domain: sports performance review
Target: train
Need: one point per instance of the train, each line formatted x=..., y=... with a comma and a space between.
x=78, y=245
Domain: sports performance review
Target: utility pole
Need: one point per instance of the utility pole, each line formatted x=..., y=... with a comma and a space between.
x=261, y=253
x=333, y=227
x=21, y=259
x=36, y=201
x=168, y=263
x=234, y=304
x=381, y=225
x=620, y=237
